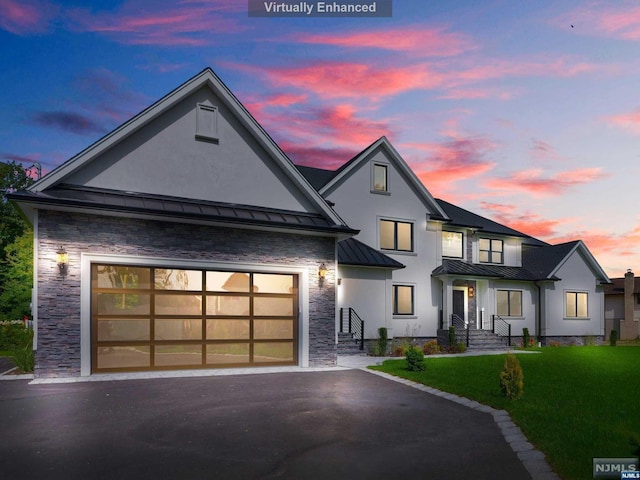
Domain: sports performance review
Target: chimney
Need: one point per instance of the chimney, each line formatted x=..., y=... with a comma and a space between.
x=629, y=283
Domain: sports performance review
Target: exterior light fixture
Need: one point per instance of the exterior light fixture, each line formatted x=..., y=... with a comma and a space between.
x=62, y=259
x=471, y=292
x=322, y=271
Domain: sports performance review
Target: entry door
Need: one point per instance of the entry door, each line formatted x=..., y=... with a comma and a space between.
x=458, y=303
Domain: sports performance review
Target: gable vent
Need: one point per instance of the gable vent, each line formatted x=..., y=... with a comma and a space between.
x=207, y=122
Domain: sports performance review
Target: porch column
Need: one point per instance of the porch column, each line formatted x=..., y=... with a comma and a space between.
x=447, y=301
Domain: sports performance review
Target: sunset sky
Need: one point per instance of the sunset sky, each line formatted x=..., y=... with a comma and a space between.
x=524, y=112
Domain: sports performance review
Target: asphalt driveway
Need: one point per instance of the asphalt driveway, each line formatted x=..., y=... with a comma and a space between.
x=322, y=425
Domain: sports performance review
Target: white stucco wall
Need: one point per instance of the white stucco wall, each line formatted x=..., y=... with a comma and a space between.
x=576, y=276
x=363, y=210
x=529, y=305
x=164, y=157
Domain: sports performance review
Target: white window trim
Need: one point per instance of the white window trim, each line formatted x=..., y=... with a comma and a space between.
x=415, y=303
x=373, y=178
x=413, y=236
x=86, y=259
x=564, y=304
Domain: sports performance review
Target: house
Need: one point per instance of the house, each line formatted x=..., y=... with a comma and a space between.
x=622, y=306
x=187, y=239
x=453, y=267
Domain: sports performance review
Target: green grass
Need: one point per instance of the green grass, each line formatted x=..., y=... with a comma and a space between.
x=578, y=403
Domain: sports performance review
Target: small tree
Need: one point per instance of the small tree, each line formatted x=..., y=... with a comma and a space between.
x=525, y=337
x=613, y=339
x=382, y=341
x=512, y=378
x=415, y=359
x=16, y=278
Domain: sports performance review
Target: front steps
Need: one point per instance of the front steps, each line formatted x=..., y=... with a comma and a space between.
x=347, y=345
x=478, y=339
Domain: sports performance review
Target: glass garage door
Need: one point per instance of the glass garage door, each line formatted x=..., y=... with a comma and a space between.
x=149, y=318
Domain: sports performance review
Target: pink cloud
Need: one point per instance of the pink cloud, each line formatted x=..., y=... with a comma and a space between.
x=452, y=161
x=525, y=222
x=628, y=121
x=68, y=122
x=335, y=79
x=317, y=156
x=532, y=181
x=427, y=42
x=285, y=99
x=189, y=23
x=543, y=151
x=24, y=17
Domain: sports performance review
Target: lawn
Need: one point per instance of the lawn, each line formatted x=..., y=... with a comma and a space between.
x=578, y=403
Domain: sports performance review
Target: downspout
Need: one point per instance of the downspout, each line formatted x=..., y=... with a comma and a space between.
x=538, y=312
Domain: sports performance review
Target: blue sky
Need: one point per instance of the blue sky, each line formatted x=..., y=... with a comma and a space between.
x=524, y=112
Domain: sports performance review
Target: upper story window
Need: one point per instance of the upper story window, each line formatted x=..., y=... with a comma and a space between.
x=452, y=244
x=577, y=304
x=491, y=250
x=509, y=303
x=380, y=178
x=395, y=235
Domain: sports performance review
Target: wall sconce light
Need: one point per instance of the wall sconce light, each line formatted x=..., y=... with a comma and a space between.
x=339, y=281
x=322, y=271
x=471, y=292
x=62, y=259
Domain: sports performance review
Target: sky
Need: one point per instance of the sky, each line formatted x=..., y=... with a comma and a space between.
x=527, y=112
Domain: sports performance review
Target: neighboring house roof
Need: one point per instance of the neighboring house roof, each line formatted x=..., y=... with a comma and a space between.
x=464, y=218
x=205, y=78
x=339, y=175
x=355, y=253
x=616, y=287
x=160, y=206
x=317, y=177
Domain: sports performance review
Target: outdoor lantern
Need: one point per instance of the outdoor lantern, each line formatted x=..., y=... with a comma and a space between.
x=62, y=259
x=471, y=292
x=322, y=271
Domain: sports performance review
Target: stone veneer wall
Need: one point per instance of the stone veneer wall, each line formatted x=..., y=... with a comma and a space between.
x=58, y=346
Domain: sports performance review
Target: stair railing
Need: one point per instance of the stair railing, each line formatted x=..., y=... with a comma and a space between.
x=351, y=323
x=501, y=327
x=459, y=323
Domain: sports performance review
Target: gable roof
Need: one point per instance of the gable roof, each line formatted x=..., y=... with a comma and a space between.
x=329, y=182
x=464, y=218
x=355, y=253
x=205, y=78
x=616, y=287
x=545, y=262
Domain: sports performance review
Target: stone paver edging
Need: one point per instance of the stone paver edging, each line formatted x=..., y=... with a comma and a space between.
x=532, y=459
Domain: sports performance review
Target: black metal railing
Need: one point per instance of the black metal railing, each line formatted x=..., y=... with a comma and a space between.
x=351, y=323
x=459, y=324
x=501, y=327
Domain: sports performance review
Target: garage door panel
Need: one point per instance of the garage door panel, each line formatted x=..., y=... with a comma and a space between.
x=146, y=318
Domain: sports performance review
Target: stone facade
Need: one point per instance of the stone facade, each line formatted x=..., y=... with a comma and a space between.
x=58, y=344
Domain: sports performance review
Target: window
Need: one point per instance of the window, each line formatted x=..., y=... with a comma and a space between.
x=403, y=303
x=396, y=235
x=452, y=244
x=577, y=303
x=509, y=303
x=207, y=122
x=380, y=178
x=491, y=250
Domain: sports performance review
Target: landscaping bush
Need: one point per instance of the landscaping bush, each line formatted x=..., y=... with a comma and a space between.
x=461, y=347
x=399, y=351
x=452, y=335
x=431, y=347
x=512, y=378
x=415, y=359
x=525, y=337
x=21, y=348
x=382, y=342
x=11, y=334
x=613, y=339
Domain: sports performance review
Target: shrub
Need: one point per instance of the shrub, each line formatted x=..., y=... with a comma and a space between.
x=431, y=347
x=554, y=343
x=22, y=350
x=11, y=334
x=525, y=337
x=382, y=341
x=415, y=359
x=511, y=377
x=613, y=339
x=399, y=351
x=461, y=347
x=452, y=335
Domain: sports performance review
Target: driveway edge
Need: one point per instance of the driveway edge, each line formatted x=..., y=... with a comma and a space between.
x=533, y=460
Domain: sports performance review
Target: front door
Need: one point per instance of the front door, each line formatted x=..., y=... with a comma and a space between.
x=458, y=303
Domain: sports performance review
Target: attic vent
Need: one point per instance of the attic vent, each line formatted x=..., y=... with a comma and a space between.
x=207, y=123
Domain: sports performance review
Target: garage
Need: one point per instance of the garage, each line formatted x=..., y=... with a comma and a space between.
x=157, y=318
